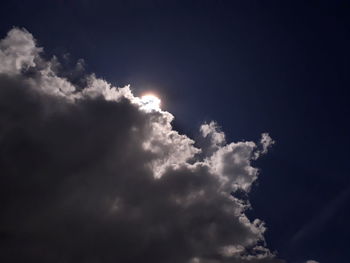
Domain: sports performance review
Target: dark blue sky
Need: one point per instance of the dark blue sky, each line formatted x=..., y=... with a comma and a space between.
x=253, y=66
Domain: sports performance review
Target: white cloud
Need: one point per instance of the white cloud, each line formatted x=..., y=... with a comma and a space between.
x=117, y=173
x=232, y=164
x=211, y=130
x=17, y=51
x=266, y=142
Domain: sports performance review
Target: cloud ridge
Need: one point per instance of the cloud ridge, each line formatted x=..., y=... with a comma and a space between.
x=89, y=175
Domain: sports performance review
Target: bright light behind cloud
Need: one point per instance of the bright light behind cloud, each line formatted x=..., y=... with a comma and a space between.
x=130, y=173
x=150, y=102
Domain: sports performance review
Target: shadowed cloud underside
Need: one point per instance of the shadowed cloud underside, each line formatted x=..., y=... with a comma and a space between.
x=92, y=173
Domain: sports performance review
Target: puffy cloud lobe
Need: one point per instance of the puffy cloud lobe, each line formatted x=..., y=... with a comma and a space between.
x=266, y=142
x=17, y=51
x=217, y=137
x=88, y=175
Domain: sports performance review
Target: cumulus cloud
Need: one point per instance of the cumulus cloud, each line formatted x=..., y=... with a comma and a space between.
x=89, y=174
x=266, y=142
x=211, y=130
x=17, y=51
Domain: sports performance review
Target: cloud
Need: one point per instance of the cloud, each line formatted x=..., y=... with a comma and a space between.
x=217, y=137
x=311, y=261
x=89, y=175
x=266, y=142
x=17, y=51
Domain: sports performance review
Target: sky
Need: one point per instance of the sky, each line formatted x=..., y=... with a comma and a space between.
x=245, y=160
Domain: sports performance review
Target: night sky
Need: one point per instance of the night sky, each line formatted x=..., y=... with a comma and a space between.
x=254, y=67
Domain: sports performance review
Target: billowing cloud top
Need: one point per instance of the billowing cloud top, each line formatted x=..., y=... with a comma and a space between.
x=90, y=173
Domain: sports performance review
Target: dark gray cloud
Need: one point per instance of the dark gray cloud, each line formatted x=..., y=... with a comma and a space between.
x=95, y=174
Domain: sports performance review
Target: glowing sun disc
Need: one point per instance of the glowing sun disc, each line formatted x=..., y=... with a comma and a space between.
x=150, y=102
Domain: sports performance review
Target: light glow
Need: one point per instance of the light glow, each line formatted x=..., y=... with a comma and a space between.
x=150, y=102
